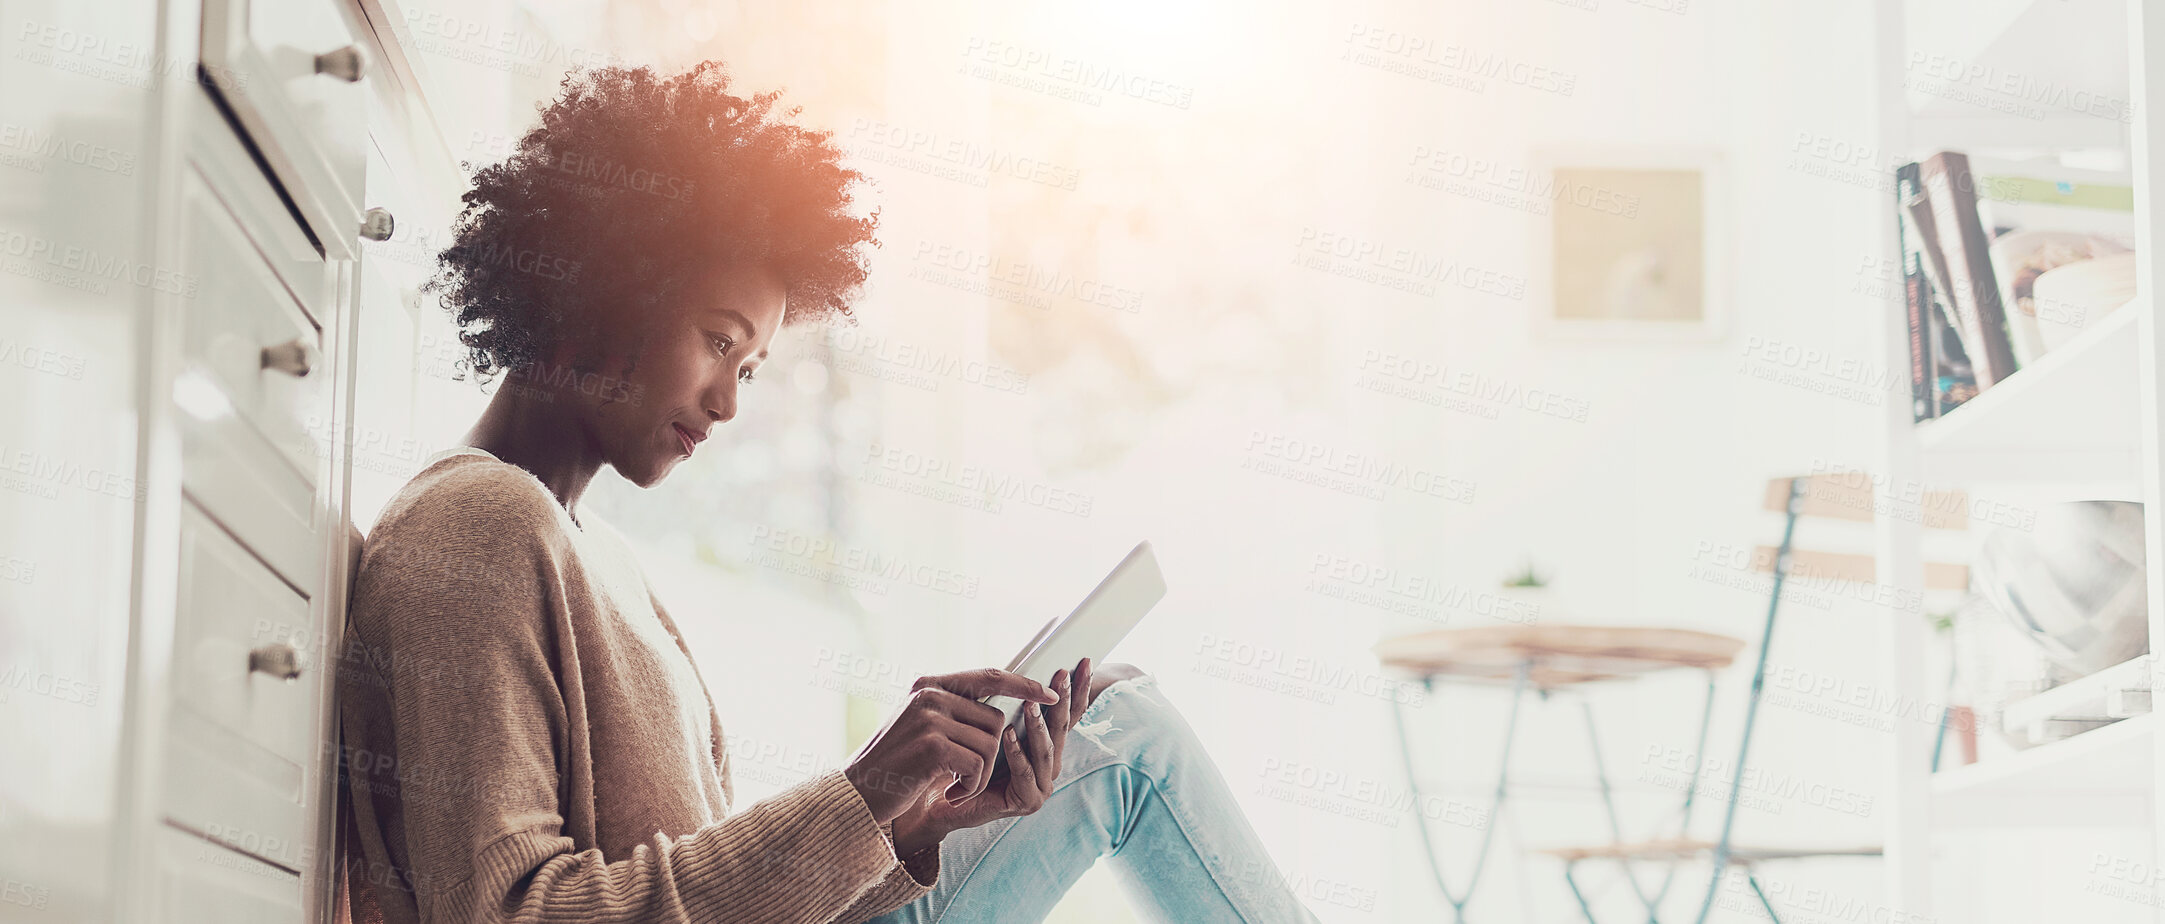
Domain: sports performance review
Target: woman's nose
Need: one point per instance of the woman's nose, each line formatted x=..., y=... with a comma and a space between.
x=722, y=401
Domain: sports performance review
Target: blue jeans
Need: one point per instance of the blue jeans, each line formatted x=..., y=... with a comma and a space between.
x=1135, y=787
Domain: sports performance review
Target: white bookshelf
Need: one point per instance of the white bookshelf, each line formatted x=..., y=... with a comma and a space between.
x=2080, y=397
x=2082, y=421
x=2097, y=779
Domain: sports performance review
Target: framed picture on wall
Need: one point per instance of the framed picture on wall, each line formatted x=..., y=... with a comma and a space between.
x=1635, y=246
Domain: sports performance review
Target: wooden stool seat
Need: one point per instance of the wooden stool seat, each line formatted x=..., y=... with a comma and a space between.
x=1560, y=655
x=1685, y=849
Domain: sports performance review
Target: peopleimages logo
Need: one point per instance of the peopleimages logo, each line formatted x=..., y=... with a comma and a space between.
x=474, y=40
x=953, y=158
x=2011, y=91
x=544, y=265
x=1400, y=591
x=37, y=359
x=15, y=677
x=54, y=146
x=1067, y=77
x=915, y=365
x=818, y=556
x=1512, y=184
x=975, y=485
x=43, y=474
x=1455, y=381
x=94, y=265
x=126, y=63
x=1360, y=474
x=1403, y=268
x=601, y=171
x=1016, y=279
x=1449, y=63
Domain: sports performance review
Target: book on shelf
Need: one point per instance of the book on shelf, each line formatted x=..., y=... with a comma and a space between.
x=1980, y=239
x=1971, y=292
x=1916, y=301
x=1940, y=376
x=1953, y=380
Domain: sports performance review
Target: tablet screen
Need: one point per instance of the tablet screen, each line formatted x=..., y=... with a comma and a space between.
x=1091, y=630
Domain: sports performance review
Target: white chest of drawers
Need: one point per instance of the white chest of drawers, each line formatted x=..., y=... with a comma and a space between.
x=185, y=210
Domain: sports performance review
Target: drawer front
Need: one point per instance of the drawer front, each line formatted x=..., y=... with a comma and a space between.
x=241, y=736
x=223, y=162
x=290, y=71
x=251, y=488
x=229, y=606
x=199, y=882
x=246, y=334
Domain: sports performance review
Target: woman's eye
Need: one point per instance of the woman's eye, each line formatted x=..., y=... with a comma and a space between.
x=721, y=344
x=746, y=375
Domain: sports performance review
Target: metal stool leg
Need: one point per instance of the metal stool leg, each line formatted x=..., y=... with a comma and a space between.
x=1691, y=791
x=1683, y=824
x=1753, y=878
x=1573, y=881
x=1608, y=801
x=1503, y=778
x=1751, y=708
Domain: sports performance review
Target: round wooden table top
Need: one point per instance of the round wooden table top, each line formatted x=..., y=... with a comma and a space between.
x=1671, y=850
x=1560, y=655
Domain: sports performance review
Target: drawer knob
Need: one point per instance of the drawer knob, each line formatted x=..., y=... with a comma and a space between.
x=377, y=224
x=294, y=357
x=344, y=64
x=280, y=660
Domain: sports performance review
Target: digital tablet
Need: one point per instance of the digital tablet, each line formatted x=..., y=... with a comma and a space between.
x=1093, y=628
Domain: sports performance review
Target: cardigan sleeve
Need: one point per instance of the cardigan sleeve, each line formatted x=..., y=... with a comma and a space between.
x=460, y=633
x=912, y=877
x=806, y=854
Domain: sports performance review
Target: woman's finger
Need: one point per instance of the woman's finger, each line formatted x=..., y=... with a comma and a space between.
x=969, y=737
x=1045, y=761
x=1080, y=682
x=969, y=768
x=990, y=681
x=938, y=701
x=1057, y=713
x=1063, y=716
x=1021, y=777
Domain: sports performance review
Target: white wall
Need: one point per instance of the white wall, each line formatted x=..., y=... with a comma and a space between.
x=1155, y=417
x=1210, y=206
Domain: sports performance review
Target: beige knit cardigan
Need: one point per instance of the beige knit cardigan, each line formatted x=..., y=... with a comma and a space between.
x=525, y=738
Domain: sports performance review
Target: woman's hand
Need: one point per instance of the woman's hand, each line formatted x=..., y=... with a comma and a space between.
x=942, y=736
x=1020, y=784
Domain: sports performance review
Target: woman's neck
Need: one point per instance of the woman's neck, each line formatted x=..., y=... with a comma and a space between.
x=526, y=425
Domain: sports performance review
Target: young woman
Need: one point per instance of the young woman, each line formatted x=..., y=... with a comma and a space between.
x=525, y=737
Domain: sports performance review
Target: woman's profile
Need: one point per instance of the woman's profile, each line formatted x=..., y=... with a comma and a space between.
x=525, y=737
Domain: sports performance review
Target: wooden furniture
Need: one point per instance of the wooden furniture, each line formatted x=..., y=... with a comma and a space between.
x=1793, y=497
x=1832, y=496
x=204, y=274
x=1559, y=656
x=2084, y=421
x=1547, y=658
x=1544, y=659
x=1671, y=849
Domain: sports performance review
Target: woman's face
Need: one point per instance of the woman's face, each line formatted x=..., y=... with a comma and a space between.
x=686, y=379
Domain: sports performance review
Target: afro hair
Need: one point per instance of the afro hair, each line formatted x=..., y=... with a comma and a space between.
x=630, y=186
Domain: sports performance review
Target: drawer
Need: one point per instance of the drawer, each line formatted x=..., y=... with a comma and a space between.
x=249, y=487
x=290, y=71
x=220, y=160
x=241, y=736
x=199, y=882
x=245, y=333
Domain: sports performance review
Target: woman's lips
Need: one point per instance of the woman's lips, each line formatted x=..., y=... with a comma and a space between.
x=685, y=437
